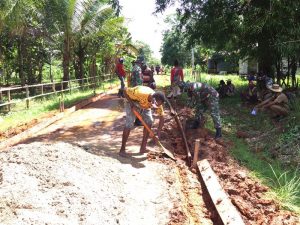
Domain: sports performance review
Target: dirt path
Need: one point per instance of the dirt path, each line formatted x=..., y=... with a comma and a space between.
x=70, y=173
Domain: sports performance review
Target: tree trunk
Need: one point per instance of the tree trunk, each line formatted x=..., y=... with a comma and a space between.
x=293, y=70
x=288, y=71
x=40, y=75
x=20, y=59
x=81, y=60
x=66, y=60
x=265, y=60
x=278, y=70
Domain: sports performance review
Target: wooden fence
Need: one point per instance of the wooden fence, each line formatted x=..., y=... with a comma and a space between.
x=13, y=95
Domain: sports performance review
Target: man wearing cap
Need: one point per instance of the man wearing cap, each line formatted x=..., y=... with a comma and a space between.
x=143, y=99
x=205, y=97
x=121, y=75
x=278, y=104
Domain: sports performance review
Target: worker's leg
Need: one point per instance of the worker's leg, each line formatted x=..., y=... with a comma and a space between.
x=200, y=108
x=177, y=91
x=130, y=117
x=171, y=93
x=279, y=110
x=147, y=117
x=215, y=114
x=120, y=94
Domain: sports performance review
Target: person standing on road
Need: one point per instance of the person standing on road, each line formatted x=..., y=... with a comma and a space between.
x=143, y=99
x=148, y=77
x=205, y=97
x=136, y=74
x=121, y=75
x=176, y=78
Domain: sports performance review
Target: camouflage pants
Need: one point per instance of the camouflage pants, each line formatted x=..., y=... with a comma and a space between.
x=212, y=103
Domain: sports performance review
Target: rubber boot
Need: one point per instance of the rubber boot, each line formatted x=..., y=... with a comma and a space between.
x=218, y=133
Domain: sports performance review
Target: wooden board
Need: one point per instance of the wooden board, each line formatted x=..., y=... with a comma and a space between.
x=226, y=210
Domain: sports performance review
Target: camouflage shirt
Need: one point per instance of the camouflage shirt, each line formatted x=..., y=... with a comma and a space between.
x=202, y=92
x=136, y=76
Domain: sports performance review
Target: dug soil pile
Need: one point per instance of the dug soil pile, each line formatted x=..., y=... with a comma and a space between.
x=247, y=194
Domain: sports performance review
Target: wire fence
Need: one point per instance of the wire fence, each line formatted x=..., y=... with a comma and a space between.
x=12, y=95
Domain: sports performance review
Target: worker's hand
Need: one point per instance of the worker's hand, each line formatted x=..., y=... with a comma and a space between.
x=158, y=134
x=172, y=112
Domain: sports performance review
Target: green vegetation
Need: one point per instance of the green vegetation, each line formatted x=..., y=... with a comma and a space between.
x=257, y=152
x=235, y=30
x=286, y=187
x=40, y=107
x=48, y=40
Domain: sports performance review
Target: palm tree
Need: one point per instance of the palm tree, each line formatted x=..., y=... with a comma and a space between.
x=16, y=16
x=68, y=17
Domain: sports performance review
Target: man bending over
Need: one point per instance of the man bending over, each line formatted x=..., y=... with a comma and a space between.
x=143, y=99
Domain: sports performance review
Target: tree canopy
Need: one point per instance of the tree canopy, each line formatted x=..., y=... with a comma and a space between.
x=76, y=35
x=264, y=30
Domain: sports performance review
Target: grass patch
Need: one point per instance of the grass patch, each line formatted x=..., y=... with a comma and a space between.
x=40, y=107
x=286, y=188
x=283, y=180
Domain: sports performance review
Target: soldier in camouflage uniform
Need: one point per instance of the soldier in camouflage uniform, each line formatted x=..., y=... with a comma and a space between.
x=136, y=79
x=205, y=97
x=136, y=74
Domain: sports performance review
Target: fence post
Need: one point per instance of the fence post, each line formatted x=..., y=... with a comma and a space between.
x=43, y=92
x=53, y=87
x=103, y=87
x=110, y=81
x=27, y=97
x=61, y=103
x=8, y=95
x=70, y=88
x=94, y=84
x=62, y=87
x=1, y=96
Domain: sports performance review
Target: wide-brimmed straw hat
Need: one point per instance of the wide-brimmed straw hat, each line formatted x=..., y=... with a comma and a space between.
x=275, y=88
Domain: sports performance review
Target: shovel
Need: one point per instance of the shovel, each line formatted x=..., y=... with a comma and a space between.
x=187, y=149
x=151, y=133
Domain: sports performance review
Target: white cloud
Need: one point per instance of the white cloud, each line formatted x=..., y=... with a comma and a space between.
x=143, y=25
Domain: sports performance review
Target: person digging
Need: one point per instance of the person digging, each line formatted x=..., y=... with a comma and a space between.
x=204, y=97
x=143, y=99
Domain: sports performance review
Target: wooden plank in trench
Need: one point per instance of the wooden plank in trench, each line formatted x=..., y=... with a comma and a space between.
x=226, y=210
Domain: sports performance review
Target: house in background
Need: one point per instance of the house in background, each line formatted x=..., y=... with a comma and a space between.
x=247, y=66
x=217, y=64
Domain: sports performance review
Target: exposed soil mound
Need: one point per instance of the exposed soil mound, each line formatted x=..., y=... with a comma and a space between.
x=245, y=193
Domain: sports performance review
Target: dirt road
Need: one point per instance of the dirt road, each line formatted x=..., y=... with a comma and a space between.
x=70, y=173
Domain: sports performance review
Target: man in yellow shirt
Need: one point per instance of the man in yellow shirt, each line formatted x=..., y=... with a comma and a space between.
x=143, y=98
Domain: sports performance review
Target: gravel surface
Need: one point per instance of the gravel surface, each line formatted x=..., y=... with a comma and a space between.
x=60, y=183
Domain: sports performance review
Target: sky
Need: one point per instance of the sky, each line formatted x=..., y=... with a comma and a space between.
x=143, y=25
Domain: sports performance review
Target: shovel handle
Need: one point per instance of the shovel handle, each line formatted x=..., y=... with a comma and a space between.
x=138, y=115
